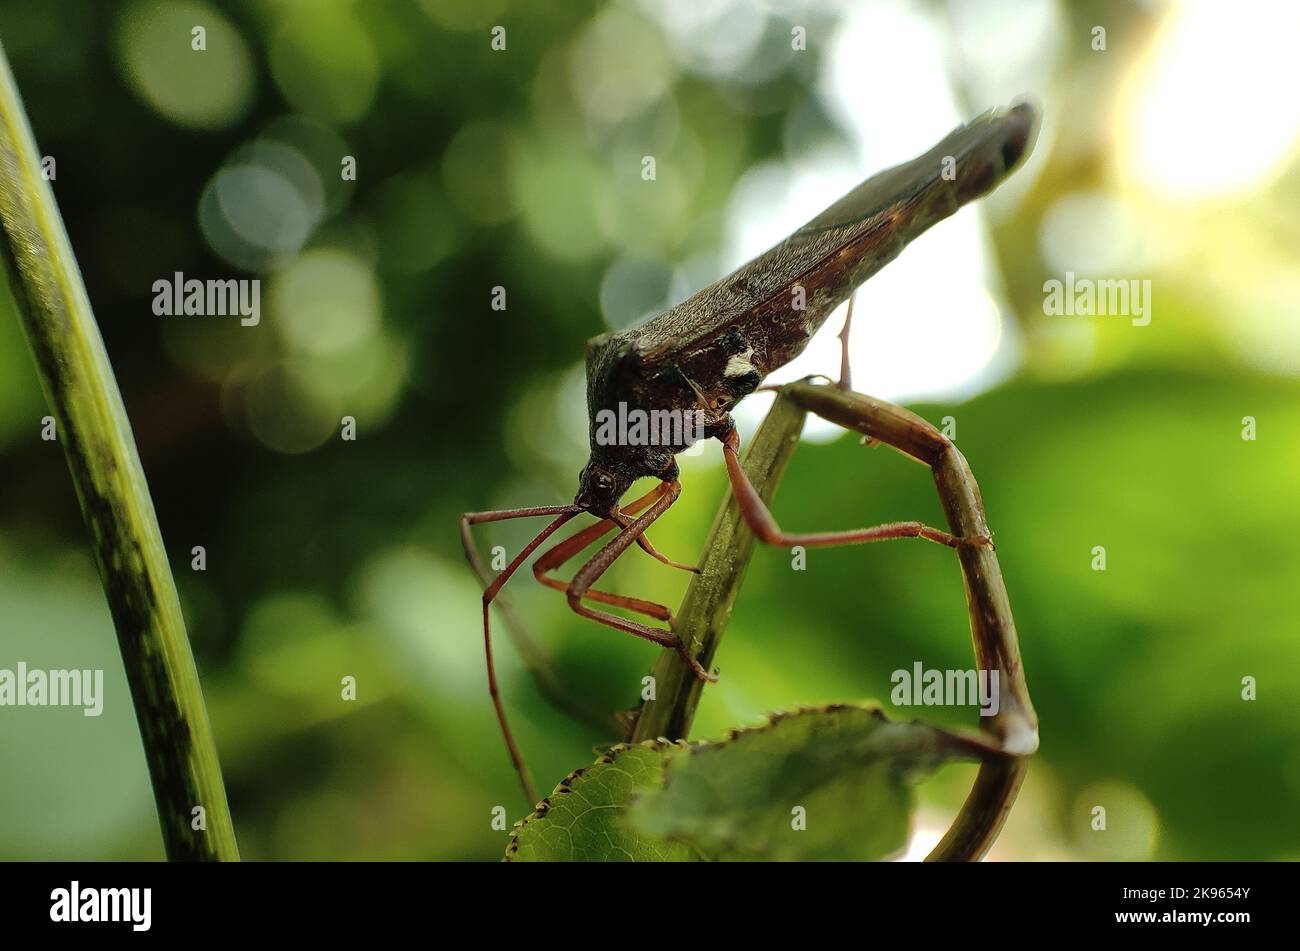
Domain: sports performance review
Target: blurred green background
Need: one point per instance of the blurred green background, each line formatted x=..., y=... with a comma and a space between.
x=1171, y=155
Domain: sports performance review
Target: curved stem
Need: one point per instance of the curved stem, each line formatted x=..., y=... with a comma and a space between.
x=993, y=629
x=707, y=607
x=96, y=436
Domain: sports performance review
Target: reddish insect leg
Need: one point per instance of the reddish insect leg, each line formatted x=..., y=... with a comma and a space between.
x=554, y=558
x=563, y=513
x=644, y=541
x=581, y=584
x=846, y=382
x=762, y=523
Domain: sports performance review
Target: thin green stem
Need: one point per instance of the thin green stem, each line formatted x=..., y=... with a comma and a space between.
x=92, y=425
x=702, y=618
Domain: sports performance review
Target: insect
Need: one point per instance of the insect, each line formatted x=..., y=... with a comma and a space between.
x=699, y=359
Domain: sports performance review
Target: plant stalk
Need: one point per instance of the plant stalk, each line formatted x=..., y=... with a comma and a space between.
x=92, y=425
x=706, y=609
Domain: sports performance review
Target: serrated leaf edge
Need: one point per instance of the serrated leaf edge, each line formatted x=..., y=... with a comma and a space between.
x=565, y=785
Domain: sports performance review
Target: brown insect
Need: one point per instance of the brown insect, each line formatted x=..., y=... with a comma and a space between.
x=698, y=360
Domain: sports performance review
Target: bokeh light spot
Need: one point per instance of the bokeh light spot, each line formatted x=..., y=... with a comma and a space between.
x=201, y=89
x=1132, y=824
x=634, y=288
x=262, y=205
x=324, y=62
x=1092, y=233
x=557, y=193
x=325, y=301
x=619, y=66
x=1200, y=122
x=284, y=418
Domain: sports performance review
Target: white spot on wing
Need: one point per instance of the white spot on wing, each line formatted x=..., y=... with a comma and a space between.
x=740, y=364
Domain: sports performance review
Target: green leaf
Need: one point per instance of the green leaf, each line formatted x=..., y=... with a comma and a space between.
x=582, y=820
x=846, y=767
x=840, y=772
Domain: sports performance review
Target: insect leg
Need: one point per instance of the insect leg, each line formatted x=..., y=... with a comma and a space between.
x=535, y=658
x=763, y=525
x=563, y=513
x=644, y=541
x=846, y=382
x=593, y=569
x=553, y=558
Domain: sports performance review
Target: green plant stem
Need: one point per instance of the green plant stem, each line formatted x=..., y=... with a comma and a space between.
x=706, y=608
x=96, y=436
